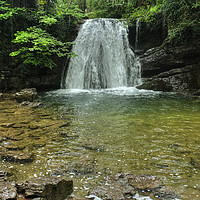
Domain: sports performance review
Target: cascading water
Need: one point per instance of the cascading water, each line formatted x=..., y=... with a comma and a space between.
x=137, y=33
x=104, y=58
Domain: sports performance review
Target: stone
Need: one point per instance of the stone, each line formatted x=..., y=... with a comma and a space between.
x=17, y=156
x=5, y=174
x=1, y=96
x=47, y=188
x=145, y=183
x=28, y=94
x=14, y=147
x=114, y=191
x=7, y=190
x=165, y=194
x=6, y=125
x=30, y=104
x=84, y=165
x=127, y=186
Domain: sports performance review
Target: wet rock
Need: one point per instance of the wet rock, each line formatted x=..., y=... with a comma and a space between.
x=13, y=147
x=6, y=125
x=64, y=125
x=47, y=188
x=7, y=190
x=146, y=183
x=30, y=104
x=114, y=191
x=165, y=194
x=1, y=96
x=127, y=185
x=84, y=165
x=17, y=156
x=5, y=174
x=92, y=147
x=28, y=94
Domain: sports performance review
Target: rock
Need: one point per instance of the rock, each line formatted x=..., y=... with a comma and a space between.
x=6, y=125
x=175, y=69
x=17, y=156
x=14, y=147
x=1, y=96
x=147, y=183
x=30, y=104
x=114, y=191
x=165, y=194
x=5, y=174
x=84, y=165
x=127, y=185
x=47, y=188
x=7, y=190
x=28, y=94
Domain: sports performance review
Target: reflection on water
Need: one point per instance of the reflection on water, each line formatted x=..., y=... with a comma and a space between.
x=123, y=130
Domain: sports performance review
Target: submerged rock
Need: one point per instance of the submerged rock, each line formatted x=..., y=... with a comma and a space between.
x=17, y=156
x=7, y=190
x=127, y=186
x=46, y=188
x=31, y=104
x=84, y=165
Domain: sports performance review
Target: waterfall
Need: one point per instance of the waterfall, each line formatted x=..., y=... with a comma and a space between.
x=137, y=33
x=104, y=58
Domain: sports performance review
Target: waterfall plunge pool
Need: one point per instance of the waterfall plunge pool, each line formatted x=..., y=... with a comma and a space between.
x=126, y=130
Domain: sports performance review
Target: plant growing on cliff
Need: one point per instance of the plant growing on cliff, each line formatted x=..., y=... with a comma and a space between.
x=37, y=47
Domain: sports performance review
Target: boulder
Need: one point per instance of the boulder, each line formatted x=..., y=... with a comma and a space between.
x=46, y=188
x=28, y=94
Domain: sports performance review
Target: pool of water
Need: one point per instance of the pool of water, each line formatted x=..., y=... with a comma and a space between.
x=117, y=130
x=130, y=130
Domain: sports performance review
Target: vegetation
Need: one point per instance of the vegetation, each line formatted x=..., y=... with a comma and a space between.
x=38, y=31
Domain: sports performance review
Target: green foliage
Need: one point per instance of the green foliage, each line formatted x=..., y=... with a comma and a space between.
x=47, y=20
x=7, y=12
x=185, y=32
x=67, y=7
x=37, y=47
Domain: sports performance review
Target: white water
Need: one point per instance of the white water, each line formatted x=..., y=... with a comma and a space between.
x=104, y=58
x=137, y=33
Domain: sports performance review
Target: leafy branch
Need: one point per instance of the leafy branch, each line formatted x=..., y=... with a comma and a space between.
x=37, y=47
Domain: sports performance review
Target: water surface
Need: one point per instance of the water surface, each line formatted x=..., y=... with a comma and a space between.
x=130, y=130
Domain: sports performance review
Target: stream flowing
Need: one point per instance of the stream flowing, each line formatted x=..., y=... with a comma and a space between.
x=128, y=130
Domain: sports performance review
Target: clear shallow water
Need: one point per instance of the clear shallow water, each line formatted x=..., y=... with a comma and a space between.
x=110, y=131
x=130, y=130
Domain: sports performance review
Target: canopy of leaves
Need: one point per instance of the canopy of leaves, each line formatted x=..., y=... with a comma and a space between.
x=37, y=46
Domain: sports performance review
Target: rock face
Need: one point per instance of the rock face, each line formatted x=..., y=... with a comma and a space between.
x=166, y=67
x=150, y=34
x=176, y=70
